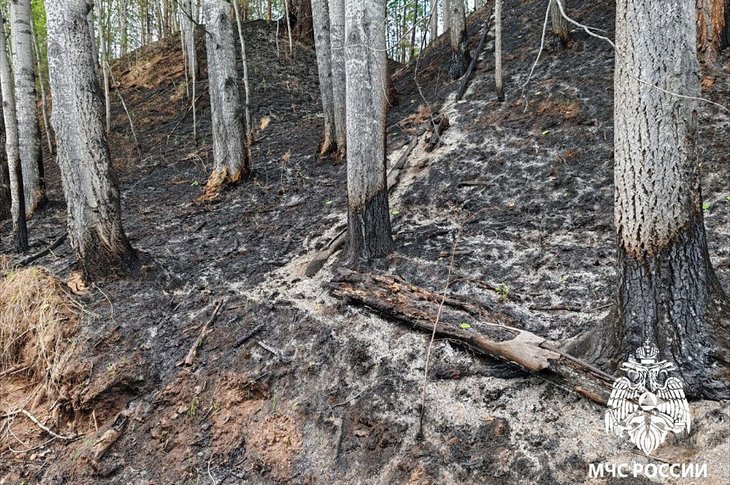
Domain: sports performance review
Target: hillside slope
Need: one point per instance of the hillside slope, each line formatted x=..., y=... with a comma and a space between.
x=292, y=386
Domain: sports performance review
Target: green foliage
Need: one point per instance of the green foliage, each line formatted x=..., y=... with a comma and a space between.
x=503, y=292
x=464, y=326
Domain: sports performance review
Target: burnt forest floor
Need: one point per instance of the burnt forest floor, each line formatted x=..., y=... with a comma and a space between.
x=292, y=386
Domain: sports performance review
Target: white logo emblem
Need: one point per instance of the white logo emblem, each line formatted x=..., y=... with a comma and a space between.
x=647, y=404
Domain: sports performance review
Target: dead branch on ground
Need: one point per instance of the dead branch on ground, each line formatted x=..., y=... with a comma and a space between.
x=490, y=331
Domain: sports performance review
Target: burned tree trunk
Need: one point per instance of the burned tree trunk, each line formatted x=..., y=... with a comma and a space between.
x=230, y=161
x=368, y=218
x=15, y=171
x=303, y=29
x=29, y=135
x=667, y=290
x=460, y=57
x=558, y=23
x=89, y=184
x=337, y=47
x=320, y=13
x=710, y=25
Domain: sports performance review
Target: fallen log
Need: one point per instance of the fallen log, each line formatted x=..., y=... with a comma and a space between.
x=484, y=329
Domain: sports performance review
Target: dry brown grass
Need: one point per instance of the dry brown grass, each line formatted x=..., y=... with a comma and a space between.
x=37, y=319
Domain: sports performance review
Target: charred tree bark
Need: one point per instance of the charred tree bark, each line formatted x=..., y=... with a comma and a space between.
x=368, y=217
x=230, y=160
x=667, y=290
x=303, y=28
x=710, y=26
x=460, y=57
x=89, y=184
x=15, y=171
x=320, y=14
x=29, y=135
x=558, y=23
x=339, y=90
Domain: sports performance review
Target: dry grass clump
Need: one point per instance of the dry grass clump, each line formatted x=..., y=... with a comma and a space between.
x=37, y=319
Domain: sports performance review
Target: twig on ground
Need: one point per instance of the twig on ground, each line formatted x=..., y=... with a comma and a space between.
x=433, y=336
x=35, y=421
x=57, y=242
x=193, y=352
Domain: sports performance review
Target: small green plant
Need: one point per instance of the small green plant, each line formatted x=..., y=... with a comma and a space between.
x=564, y=279
x=503, y=292
x=706, y=206
x=464, y=326
x=394, y=212
x=193, y=407
x=727, y=198
x=328, y=202
x=194, y=183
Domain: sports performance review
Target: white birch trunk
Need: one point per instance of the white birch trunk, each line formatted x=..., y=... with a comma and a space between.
x=320, y=16
x=89, y=184
x=339, y=90
x=230, y=162
x=498, y=50
x=29, y=136
x=15, y=171
x=369, y=231
x=434, y=20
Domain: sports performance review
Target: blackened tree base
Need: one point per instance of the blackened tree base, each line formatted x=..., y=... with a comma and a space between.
x=674, y=300
x=368, y=230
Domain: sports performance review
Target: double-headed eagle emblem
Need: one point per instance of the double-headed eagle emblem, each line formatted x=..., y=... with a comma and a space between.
x=647, y=404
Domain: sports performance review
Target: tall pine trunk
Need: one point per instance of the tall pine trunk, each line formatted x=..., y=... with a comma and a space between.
x=667, y=291
x=15, y=171
x=460, y=57
x=320, y=14
x=368, y=227
x=230, y=161
x=29, y=135
x=89, y=184
x=339, y=90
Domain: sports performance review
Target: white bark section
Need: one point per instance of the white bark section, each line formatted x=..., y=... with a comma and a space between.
x=29, y=136
x=17, y=207
x=225, y=101
x=92, y=196
x=498, y=49
x=434, y=20
x=321, y=24
x=457, y=19
x=365, y=61
x=339, y=90
x=656, y=176
x=446, y=9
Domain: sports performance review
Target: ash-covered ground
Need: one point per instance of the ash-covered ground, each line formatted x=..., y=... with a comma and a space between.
x=293, y=386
